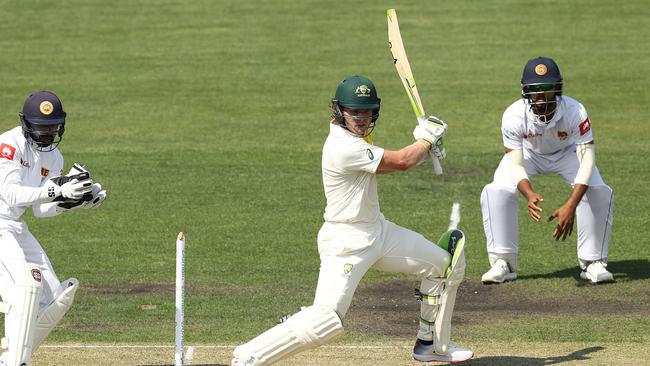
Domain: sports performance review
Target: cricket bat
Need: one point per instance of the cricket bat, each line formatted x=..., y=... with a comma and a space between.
x=403, y=67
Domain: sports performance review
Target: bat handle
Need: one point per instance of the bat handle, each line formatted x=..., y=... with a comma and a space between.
x=437, y=168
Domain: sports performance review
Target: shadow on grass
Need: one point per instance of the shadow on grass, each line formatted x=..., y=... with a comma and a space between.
x=628, y=270
x=579, y=355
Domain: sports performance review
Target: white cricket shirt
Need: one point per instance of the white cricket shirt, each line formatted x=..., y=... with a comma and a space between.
x=349, y=166
x=521, y=128
x=22, y=170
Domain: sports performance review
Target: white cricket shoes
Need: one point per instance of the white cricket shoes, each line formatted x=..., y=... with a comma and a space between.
x=596, y=272
x=424, y=351
x=499, y=273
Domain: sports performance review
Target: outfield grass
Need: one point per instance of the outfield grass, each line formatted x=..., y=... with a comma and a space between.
x=208, y=117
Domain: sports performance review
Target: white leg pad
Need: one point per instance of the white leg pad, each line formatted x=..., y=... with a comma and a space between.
x=309, y=328
x=52, y=315
x=455, y=275
x=430, y=297
x=21, y=318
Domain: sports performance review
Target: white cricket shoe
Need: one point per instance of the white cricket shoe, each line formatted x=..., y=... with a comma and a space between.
x=425, y=352
x=499, y=273
x=596, y=272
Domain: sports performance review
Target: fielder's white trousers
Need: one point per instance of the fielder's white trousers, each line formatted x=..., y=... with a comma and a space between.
x=594, y=214
x=393, y=248
x=17, y=247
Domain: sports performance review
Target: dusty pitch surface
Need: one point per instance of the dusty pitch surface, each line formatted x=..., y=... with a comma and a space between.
x=389, y=308
x=395, y=353
x=387, y=311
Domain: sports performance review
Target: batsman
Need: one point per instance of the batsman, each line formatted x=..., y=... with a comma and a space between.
x=33, y=299
x=356, y=237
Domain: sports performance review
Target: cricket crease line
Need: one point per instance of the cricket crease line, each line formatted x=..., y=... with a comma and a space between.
x=190, y=349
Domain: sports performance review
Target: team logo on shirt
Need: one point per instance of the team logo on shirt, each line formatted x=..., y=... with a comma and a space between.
x=532, y=135
x=371, y=156
x=36, y=274
x=44, y=172
x=347, y=268
x=585, y=126
x=46, y=107
x=562, y=135
x=7, y=151
x=541, y=69
x=363, y=91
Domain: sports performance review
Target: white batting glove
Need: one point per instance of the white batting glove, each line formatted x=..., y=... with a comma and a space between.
x=436, y=128
x=420, y=133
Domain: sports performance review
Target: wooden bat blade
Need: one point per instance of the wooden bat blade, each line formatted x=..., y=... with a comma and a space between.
x=396, y=46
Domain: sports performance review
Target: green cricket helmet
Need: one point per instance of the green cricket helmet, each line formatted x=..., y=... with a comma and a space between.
x=356, y=93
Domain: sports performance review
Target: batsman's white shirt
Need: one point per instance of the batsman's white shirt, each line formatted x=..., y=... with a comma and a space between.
x=349, y=165
x=355, y=236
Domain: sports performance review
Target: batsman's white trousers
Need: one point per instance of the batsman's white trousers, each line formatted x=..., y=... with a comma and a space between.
x=594, y=214
x=391, y=248
x=17, y=247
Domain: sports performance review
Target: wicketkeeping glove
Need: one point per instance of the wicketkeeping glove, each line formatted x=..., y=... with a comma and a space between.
x=98, y=197
x=72, y=187
x=93, y=199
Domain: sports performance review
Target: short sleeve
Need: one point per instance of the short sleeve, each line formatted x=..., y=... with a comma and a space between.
x=359, y=156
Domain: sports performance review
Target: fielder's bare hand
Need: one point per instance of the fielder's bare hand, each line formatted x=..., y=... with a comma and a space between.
x=565, y=216
x=533, y=209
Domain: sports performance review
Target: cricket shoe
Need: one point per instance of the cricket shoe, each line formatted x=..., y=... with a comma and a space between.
x=596, y=272
x=499, y=273
x=425, y=351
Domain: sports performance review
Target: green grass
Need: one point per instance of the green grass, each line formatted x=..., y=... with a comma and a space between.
x=208, y=117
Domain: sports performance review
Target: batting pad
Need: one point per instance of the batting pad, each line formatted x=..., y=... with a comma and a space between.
x=21, y=317
x=455, y=275
x=309, y=328
x=52, y=315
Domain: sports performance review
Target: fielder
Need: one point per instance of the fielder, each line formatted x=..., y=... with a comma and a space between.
x=547, y=132
x=356, y=237
x=33, y=299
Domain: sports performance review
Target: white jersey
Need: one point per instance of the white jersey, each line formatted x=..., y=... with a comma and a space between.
x=22, y=169
x=349, y=166
x=522, y=129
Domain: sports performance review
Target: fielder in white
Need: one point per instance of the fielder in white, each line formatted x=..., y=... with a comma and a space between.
x=356, y=237
x=547, y=132
x=33, y=299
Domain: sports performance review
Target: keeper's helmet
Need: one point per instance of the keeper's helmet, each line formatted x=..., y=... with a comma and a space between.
x=356, y=93
x=43, y=120
x=541, y=87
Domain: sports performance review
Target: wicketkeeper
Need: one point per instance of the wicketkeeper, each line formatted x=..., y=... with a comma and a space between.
x=547, y=132
x=356, y=237
x=33, y=299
